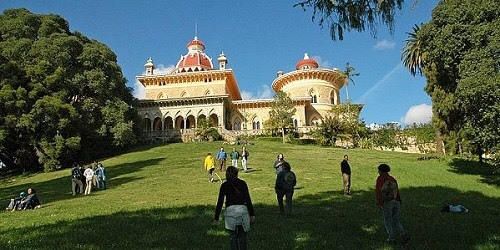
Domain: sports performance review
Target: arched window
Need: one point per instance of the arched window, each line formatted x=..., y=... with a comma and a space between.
x=314, y=99
x=295, y=123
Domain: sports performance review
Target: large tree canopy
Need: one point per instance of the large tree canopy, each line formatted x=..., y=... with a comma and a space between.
x=458, y=51
x=63, y=96
x=358, y=15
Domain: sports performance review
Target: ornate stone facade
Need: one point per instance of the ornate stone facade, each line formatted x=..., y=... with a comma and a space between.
x=176, y=101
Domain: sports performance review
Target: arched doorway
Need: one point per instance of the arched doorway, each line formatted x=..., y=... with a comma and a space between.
x=237, y=124
x=157, y=124
x=179, y=122
x=169, y=123
x=214, y=120
x=201, y=119
x=147, y=125
x=190, y=122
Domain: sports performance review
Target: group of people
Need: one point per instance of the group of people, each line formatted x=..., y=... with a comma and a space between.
x=239, y=212
x=221, y=158
x=26, y=200
x=82, y=180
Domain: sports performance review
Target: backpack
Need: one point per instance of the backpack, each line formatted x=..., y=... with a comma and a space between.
x=389, y=190
x=289, y=180
x=76, y=173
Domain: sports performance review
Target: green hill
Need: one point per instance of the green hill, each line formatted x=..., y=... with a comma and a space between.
x=160, y=198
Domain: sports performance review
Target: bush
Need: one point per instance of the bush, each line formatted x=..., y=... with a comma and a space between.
x=267, y=138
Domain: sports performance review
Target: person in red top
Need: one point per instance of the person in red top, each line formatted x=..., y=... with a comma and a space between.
x=389, y=200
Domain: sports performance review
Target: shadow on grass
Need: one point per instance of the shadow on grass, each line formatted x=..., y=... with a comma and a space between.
x=60, y=188
x=470, y=167
x=321, y=221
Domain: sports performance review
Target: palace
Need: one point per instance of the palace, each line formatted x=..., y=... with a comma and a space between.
x=175, y=101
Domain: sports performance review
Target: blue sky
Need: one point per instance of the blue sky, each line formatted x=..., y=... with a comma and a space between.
x=259, y=38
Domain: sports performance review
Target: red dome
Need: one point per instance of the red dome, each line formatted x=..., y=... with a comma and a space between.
x=309, y=62
x=196, y=42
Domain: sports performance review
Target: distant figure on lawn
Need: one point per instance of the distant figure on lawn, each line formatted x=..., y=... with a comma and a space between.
x=235, y=156
x=284, y=187
x=278, y=164
x=76, y=180
x=244, y=159
x=101, y=176
x=389, y=200
x=239, y=211
x=89, y=176
x=24, y=202
x=221, y=157
x=345, y=169
x=209, y=166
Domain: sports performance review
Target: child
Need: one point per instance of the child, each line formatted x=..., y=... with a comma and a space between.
x=209, y=166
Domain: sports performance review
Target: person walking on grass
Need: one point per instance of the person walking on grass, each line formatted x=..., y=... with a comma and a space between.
x=235, y=156
x=345, y=169
x=76, y=180
x=278, y=164
x=244, y=159
x=89, y=176
x=209, y=166
x=239, y=212
x=221, y=157
x=284, y=187
x=389, y=201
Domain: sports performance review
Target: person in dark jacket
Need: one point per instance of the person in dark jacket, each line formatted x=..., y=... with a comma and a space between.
x=345, y=168
x=389, y=201
x=239, y=212
x=30, y=202
x=284, y=187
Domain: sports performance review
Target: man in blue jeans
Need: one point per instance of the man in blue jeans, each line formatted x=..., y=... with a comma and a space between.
x=221, y=157
x=389, y=201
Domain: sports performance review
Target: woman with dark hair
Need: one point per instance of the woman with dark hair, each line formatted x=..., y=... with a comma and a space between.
x=278, y=164
x=30, y=202
x=239, y=211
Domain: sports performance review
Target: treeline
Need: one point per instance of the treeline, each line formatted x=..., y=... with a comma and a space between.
x=63, y=97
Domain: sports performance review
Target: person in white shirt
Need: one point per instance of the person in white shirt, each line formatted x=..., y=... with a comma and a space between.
x=89, y=174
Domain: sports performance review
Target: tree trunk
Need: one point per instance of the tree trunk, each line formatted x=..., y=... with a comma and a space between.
x=283, y=134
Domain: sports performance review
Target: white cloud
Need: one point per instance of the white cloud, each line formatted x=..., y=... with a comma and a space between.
x=139, y=90
x=419, y=114
x=322, y=63
x=161, y=69
x=264, y=92
x=384, y=45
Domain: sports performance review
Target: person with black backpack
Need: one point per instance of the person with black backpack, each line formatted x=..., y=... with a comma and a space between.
x=389, y=201
x=285, y=185
x=76, y=180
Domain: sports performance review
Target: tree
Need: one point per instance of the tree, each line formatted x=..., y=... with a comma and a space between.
x=328, y=130
x=349, y=72
x=457, y=51
x=63, y=97
x=357, y=15
x=281, y=112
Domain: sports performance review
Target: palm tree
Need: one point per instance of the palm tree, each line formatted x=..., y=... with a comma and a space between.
x=413, y=55
x=349, y=72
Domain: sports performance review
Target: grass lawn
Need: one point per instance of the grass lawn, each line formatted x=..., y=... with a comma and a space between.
x=160, y=198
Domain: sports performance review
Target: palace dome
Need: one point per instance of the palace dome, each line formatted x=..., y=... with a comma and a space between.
x=195, y=59
x=307, y=63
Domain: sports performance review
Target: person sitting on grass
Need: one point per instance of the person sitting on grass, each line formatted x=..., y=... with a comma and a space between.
x=389, y=201
x=209, y=166
x=285, y=184
x=14, y=203
x=239, y=211
x=24, y=201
